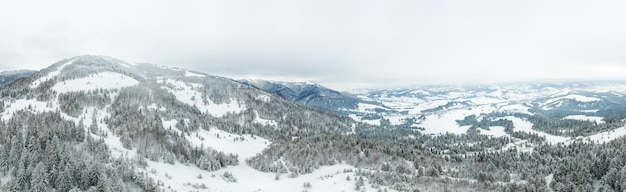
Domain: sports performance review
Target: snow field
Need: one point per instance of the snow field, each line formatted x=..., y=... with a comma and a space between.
x=49, y=76
x=182, y=177
x=579, y=98
x=585, y=118
x=31, y=105
x=192, y=74
x=446, y=122
x=607, y=136
x=264, y=98
x=103, y=80
x=495, y=131
x=189, y=93
x=259, y=120
x=525, y=126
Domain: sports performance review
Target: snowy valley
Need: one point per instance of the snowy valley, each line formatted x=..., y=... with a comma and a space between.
x=95, y=123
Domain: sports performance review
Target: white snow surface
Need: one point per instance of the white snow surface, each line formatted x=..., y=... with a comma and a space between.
x=50, y=75
x=525, y=126
x=495, y=131
x=30, y=105
x=579, y=98
x=607, y=136
x=190, y=94
x=183, y=177
x=371, y=122
x=363, y=107
x=515, y=108
x=103, y=80
x=180, y=177
x=154, y=106
x=446, y=122
x=264, y=98
x=586, y=118
x=259, y=120
x=243, y=145
x=192, y=74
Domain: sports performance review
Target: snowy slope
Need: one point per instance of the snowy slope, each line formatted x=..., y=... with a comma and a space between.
x=437, y=108
x=188, y=177
x=104, y=80
x=183, y=103
x=190, y=93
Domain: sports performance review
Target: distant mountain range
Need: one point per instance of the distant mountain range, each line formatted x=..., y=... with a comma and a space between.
x=7, y=77
x=311, y=94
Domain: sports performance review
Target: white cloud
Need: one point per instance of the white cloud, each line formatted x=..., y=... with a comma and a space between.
x=346, y=44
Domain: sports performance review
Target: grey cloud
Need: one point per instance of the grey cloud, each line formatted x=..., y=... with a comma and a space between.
x=346, y=44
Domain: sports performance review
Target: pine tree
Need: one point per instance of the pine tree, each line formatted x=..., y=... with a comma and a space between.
x=40, y=179
x=64, y=180
x=104, y=183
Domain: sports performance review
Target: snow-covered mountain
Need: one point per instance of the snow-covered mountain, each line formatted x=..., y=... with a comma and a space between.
x=100, y=123
x=7, y=77
x=310, y=94
x=438, y=109
x=95, y=123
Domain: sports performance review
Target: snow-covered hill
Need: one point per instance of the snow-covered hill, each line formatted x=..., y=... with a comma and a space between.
x=311, y=94
x=7, y=77
x=174, y=129
x=437, y=109
x=95, y=123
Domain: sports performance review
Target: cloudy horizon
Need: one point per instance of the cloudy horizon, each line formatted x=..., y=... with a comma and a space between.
x=339, y=44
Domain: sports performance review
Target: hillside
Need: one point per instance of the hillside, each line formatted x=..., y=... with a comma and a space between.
x=8, y=77
x=96, y=123
x=311, y=94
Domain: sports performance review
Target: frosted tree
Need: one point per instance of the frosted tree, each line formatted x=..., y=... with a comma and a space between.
x=39, y=181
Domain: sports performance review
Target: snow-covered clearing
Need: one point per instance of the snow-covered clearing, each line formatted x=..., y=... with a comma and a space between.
x=515, y=108
x=525, y=126
x=190, y=94
x=31, y=105
x=607, y=136
x=485, y=100
x=180, y=177
x=103, y=80
x=496, y=131
x=367, y=108
x=50, y=75
x=192, y=74
x=586, y=118
x=579, y=98
x=402, y=102
x=446, y=122
x=183, y=177
x=245, y=146
x=371, y=122
x=259, y=120
x=154, y=106
x=114, y=142
x=264, y=98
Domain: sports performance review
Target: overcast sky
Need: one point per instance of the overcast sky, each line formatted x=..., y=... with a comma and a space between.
x=341, y=44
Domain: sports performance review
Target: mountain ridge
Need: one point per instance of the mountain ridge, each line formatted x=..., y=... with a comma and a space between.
x=93, y=123
x=148, y=117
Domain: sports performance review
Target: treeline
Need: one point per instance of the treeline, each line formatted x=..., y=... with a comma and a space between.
x=43, y=152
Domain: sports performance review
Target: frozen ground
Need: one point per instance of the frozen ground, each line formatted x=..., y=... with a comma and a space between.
x=103, y=80
x=586, y=118
x=190, y=94
x=185, y=177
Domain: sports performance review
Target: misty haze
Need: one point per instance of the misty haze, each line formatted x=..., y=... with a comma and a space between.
x=321, y=96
